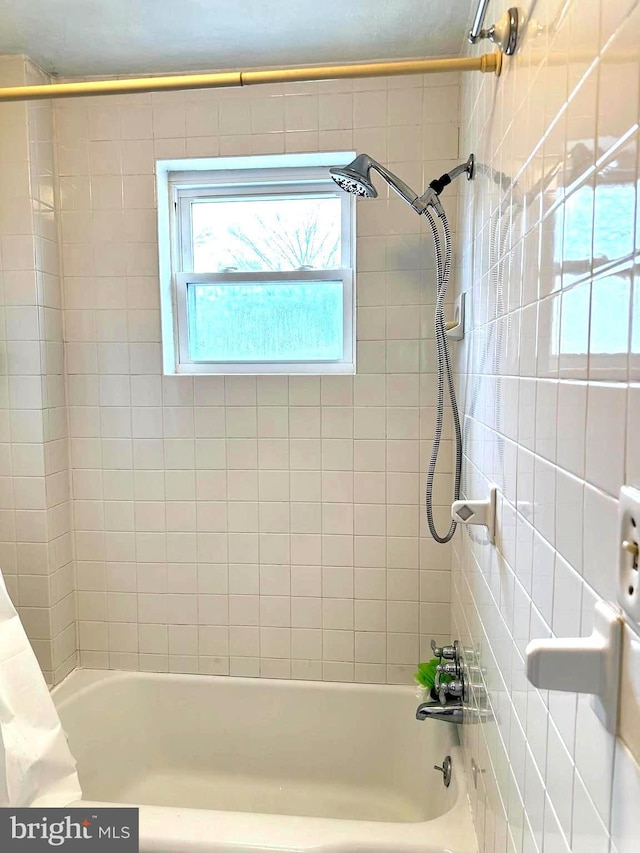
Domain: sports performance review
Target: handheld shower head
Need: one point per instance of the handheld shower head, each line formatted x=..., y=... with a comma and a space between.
x=355, y=177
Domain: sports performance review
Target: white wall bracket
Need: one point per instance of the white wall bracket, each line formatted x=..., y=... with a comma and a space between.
x=478, y=512
x=454, y=330
x=583, y=664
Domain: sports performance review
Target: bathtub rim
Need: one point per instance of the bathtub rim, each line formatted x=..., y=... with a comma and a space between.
x=90, y=678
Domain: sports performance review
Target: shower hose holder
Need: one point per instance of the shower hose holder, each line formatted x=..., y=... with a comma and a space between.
x=481, y=512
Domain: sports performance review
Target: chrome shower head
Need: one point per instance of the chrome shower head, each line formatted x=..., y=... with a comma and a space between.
x=355, y=178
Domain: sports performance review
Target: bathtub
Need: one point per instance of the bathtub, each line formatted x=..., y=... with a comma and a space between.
x=225, y=765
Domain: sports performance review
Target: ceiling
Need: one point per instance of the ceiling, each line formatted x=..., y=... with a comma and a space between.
x=107, y=37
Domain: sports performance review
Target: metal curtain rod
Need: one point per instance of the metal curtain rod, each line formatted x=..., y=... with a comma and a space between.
x=488, y=62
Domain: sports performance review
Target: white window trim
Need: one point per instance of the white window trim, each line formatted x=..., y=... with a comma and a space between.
x=181, y=181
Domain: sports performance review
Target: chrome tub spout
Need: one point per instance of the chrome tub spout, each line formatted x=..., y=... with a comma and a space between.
x=449, y=713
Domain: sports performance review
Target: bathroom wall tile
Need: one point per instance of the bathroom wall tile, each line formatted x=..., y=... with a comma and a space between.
x=589, y=833
x=572, y=409
x=35, y=536
x=606, y=426
x=569, y=518
x=557, y=390
x=633, y=451
x=626, y=784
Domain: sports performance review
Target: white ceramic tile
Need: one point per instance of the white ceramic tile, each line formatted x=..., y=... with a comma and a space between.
x=558, y=534
x=560, y=780
x=606, y=427
x=589, y=833
x=600, y=545
x=633, y=450
x=626, y=788
x=569, y=518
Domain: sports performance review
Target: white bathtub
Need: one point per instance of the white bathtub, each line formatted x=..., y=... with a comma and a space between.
x=238, y=764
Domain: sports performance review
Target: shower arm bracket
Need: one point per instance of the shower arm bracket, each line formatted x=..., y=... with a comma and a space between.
x=482, y=512
x=583, y=664
x=431, y=196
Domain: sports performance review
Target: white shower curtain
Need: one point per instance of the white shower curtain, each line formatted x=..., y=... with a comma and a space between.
x=36, y=766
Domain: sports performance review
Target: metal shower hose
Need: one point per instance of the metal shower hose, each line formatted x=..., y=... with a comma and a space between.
x=444, y=371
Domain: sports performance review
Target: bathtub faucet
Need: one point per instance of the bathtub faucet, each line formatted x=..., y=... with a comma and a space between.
x=452, y=686
x=453, y=712
x=449, y=713
x=449, y=690
x=461, y=696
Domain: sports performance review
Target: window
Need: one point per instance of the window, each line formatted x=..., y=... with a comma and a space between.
x=256, y=265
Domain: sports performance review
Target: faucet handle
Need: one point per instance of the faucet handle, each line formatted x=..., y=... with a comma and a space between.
x=448, y=652
x=451, y=652
x=455, y=688
x=447, y=669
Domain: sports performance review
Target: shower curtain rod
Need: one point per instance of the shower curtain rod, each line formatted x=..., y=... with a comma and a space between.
x=487, y=63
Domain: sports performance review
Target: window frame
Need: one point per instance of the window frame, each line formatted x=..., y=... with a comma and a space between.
x=285, y=176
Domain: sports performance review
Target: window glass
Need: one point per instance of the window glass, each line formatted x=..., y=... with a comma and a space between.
x=266, y=234
x=293, y=321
